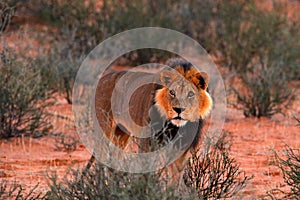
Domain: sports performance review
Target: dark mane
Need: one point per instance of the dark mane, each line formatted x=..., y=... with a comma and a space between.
x=174, y=62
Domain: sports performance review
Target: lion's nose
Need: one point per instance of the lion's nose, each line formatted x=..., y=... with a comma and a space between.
x=178, y=110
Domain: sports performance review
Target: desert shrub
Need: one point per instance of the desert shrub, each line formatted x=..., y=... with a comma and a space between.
x=16, y=191
x=78, y=26
x=58, y=68
x=264, y=92
x=87, y=23
x=290, y=168
x=212, y=174
x=101, y=182
x=68, y=40
x=239, y=33
x=22, y=97
x=66, y=143
x=6, y=13
x=261, y=49
x=197, y=18
x=248, y=35
x=298, y=120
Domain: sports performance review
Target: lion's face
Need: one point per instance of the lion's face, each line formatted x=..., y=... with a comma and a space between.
x=184, y=97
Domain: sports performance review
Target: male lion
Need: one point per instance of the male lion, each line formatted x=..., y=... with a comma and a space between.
x=176, y=103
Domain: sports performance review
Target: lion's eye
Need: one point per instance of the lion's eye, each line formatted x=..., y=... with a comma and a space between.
x=172, y=93
x=191, y=94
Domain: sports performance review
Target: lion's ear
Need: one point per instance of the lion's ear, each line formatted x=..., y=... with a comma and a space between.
x=202, y=79
x=167, y=76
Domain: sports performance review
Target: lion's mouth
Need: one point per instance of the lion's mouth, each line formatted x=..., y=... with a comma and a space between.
x=178, y=121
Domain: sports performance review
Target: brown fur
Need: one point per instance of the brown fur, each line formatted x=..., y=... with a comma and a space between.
x=194, y=108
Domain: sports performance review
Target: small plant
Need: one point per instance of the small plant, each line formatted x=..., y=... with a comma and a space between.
x=212, y=174
x=22, y=97
x=6, y=14
x=58, y=68
x=67, y=143
x=298, y=121
x=290, y=168
x=16, y=191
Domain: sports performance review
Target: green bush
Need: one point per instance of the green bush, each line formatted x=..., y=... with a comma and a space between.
x=23, y=97
x=212, y=174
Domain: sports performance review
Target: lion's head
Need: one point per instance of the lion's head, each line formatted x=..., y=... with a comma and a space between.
x=184, y=96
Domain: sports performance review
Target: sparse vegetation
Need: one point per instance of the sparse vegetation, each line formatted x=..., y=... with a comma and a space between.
x=258, y=37
x=261, y=49
x=18, y=192
x=58, y=69
x=66, y=143
x=212, y=174
x=22, y=97
x=289, y=165
x=248, y=40
x=298, y=121
x=6, y=14
x=102, y=182
x=264, y=92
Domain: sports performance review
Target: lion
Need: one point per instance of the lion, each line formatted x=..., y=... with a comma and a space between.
x=176, y=102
